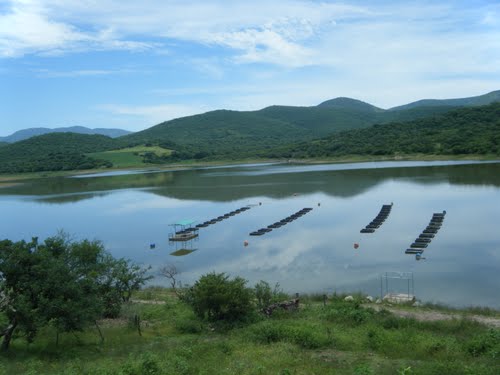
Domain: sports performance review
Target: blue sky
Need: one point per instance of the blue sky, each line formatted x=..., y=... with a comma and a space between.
x=133, y=64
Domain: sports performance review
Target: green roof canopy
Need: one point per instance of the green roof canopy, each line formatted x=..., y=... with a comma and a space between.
x=184, y=222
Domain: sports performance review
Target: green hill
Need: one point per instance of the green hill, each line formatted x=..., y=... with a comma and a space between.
x=348, y=103
x=226, y=134
x=459, y=132
x=218, y=133
x=485, y=99
x=23, y=134
x=54, y=152
x=223, y=134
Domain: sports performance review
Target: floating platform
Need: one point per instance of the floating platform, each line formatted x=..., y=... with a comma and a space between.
x=419, y=245
x=367, y=230
x=378, y=220
x=183, y=236
x=423, y=240
x=414, y=251
x=282, y=222
x=432, y=231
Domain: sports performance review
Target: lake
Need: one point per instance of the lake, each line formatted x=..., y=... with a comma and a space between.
x=315, y=253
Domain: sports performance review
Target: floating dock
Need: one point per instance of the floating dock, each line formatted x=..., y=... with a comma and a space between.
x=281, y=223
x=378, y=220
x=222, y=217
x=425, y=238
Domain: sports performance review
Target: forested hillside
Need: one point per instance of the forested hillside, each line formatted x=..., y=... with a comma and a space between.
x=473, y=101
x=459, y=132
x=222, y=134
x=218, y=133
x=275, y=132
x=21, y=135
x=53, y=152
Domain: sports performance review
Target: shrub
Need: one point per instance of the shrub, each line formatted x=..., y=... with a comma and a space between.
x=348, y=313
x=215, y=297
x=305, y=336
x=266, y=296
x=488, y=342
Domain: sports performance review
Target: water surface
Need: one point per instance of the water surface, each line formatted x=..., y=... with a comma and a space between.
x=312, y=254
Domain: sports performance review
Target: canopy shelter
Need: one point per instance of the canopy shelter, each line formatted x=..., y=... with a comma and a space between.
x=184, y=223
x=183, y=231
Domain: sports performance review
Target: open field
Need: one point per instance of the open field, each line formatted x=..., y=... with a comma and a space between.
x=129, y=157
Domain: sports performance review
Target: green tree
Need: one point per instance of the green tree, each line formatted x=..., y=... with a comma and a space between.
x=59, y=282
x=215, y=297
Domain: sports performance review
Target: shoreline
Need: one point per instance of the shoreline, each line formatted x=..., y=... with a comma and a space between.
x=8, y=180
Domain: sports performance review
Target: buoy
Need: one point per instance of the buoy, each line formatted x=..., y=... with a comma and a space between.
x=356, y=245
x=245, y=243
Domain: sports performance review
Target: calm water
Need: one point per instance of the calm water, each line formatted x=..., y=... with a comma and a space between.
x=312, y=254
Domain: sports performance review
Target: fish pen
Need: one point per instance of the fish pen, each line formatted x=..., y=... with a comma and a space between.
x=401, y=278
x=425, y=238
x=280, y=223
x=378, y=220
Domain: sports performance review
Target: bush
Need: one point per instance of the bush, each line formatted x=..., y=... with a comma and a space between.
x=305, y=336
x=215, y=297
x=266, y=296
x=488, y=342
x=348, y=313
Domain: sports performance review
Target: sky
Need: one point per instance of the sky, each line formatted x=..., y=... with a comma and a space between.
x=133, y=64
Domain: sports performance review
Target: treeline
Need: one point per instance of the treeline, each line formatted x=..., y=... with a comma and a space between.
x=459, y=132
x=54, y=152
x=61, y=284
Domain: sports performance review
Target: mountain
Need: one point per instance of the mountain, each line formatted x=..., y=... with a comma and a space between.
x=464, y=131
x=220, y=132
x=485, y=99
x=348, y=103
x=33, y=132
x=225, y=133
x=53, y=152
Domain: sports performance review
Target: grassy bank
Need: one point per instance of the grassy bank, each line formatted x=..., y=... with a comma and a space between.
x=338, y=338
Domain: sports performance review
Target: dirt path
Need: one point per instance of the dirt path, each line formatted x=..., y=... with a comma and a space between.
x=430, y=316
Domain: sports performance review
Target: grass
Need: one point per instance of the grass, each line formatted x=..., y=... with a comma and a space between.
x=129, y=157
x=339, y=338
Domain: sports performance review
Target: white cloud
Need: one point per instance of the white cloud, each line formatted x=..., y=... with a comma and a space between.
x=152, y=114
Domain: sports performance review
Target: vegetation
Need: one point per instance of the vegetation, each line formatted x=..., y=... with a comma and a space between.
x=460, y=132
x=214, y=297
x=131, y=156
x=21, y=135
x=54, y=152
x=336, y=338
x=232, y=134
x=60, y=284
x=274, y=132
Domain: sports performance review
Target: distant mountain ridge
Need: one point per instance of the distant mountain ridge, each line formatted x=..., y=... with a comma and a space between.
x=222, y=132
x=33, y=132
x=334, y=127
x=473, y=101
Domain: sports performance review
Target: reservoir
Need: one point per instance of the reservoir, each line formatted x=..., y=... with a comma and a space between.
x=313, y=253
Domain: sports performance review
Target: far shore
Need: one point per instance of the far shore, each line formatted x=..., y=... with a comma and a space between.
x=8, y=180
